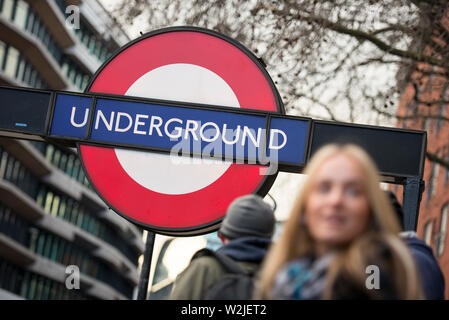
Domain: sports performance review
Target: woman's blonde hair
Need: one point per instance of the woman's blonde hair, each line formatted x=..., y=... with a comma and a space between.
x=382, y=231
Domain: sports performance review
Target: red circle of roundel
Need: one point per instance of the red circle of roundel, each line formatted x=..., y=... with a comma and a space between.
x=205, y=207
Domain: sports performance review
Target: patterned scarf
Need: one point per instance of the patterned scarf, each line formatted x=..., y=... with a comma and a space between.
x=302, y=279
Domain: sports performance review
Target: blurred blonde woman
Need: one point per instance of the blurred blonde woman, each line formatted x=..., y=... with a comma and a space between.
x=340, y=241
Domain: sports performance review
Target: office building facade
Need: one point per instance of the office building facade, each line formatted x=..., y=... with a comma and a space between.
x=50, y=218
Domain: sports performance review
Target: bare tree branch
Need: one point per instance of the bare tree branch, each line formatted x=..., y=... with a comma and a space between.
x=435, y=158
x=345, y=60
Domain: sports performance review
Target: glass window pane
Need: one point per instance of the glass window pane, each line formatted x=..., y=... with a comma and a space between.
x=85, y=82
x=48, y=201
x=2, y=53
x=33, y=239
x=33, y=78
x=63, y=162
x=73, y=74
x=11, y=61
x=434, y=181
x=8, y=6
x=75, y=212
x=86, y=39
x=33, y=285
x=76, y=168
x=3, y=163
x=21, y=68
x=79, y=81
x=55, y=206
x=53, y=291
x=30, y=22
x=54, y=249
x=41, y=196
x=15, y=172
x=36, y=26
x=444, y=218
x=97, y=48
x=46, y=39
x=61, y=250
x=42, y=31
x=69, y=167
x=27, y=73
x=428, y=233
x=81, y=176
x=46, y=289
x=69, y=209
x=56, y=157
x=25, y=286
x=21, y=14
x=79, y=221
x=39, y=288
x=62, y=209
x=67, y=254
x=92, y=44
x=86, y=222
x=65, y=68
x=40, y=244
x=9, y=168
x=48, y=245
x=49, y=152
x=443, y=229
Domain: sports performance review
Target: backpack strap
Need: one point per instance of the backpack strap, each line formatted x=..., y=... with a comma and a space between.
x=229, y=264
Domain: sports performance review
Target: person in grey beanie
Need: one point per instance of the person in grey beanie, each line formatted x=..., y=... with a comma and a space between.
x=245, y=232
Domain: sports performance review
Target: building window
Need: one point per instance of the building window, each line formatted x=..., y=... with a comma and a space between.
x=427, y=122
x=16, y=66
x=21, y=14
x=38, y=287
x=13, y=171
x=12, y=59
x=62, y=251
x=7, y=9
x=11, y=277
x=85, y=82
x=411, y=106
x=14, y=226
x=439, y=122
x=20, y=17
x=433, y=181
x=2, y=54
x=443, y=230
x=36, y=25
x=446, y=176
x=27, y=73
x=20, y=68
x=30, y=20
x=428, y=233
x=74, y=73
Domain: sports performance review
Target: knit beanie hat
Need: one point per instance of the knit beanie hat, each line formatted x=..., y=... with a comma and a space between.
x=248, y=216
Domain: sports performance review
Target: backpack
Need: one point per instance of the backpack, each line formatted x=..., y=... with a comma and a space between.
x=236, y=284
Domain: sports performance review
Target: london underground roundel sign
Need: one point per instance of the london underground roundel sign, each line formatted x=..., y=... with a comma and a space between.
x=186, y=64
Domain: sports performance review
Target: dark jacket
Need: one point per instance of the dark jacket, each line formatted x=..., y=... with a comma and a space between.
x=203, y=272
x=432, y=279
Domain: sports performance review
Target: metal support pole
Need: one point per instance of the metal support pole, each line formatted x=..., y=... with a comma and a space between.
x=413, y=189
x=146, y=266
